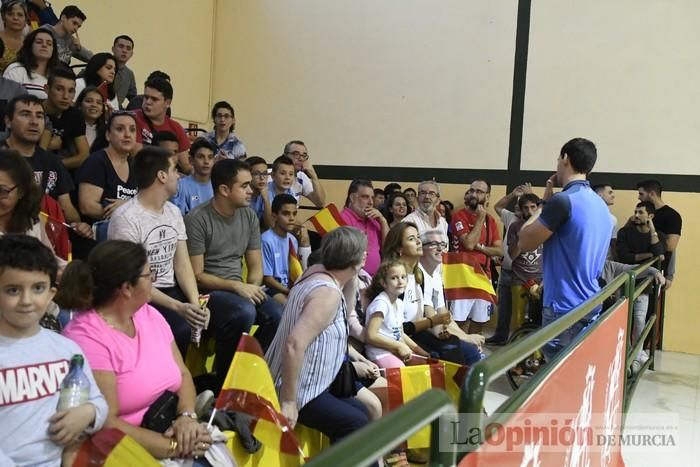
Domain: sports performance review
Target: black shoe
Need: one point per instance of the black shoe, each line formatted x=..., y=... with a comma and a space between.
x=493, y=340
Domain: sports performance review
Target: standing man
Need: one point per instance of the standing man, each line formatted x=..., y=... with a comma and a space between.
x=220, y=234
x=476, y=233
x=306, y=183
x=152, y=118
x=65, y=135
x=124, y=80
x=65, y=33
x=426, y=216
x=667, y=221
x=574, y=227
x=606, y=193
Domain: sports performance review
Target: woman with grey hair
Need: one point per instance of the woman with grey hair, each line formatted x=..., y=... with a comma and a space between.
x=311, y=344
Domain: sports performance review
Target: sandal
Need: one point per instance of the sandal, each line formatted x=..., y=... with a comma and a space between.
x=396, y=459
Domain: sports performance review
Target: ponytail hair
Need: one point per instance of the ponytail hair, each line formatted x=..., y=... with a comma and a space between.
x=93, y=283
x=376, y=287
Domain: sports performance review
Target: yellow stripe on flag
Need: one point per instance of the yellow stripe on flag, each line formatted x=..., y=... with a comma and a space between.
x=462, y=275
x=129, y=452
x=327, y=219
x=415, y=380
x=255, y=379
x=295, y=269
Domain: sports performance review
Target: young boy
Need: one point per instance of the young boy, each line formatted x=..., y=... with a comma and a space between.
x=277, y=243
x=260, y=202
x=196, y=189
x=34, y=361
x=282, y=178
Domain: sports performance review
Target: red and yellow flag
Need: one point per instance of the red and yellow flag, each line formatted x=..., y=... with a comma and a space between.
x=327, y=219
x=409, y=382
x=295, y=269
x=464, y=278
x=112, y=448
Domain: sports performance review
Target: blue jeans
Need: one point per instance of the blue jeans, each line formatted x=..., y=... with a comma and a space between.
x=334, y=417
x=505, y=305
x=553, y=347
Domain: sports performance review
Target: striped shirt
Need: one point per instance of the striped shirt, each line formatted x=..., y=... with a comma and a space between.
x=323, y=356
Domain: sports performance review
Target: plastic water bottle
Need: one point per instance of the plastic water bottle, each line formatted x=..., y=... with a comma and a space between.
x=196, y=334
x=75, y=388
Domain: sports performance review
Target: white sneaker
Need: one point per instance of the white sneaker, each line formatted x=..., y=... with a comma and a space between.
x=636, y=366
x=643, y=356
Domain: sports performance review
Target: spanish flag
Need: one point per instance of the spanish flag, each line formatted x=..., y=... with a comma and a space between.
x=249, y=389
x=112, y=448
x=327, y=219
x=409, y=382
x=295, y=269
x=463, y=278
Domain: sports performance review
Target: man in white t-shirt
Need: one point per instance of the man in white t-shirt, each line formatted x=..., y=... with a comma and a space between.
x=306, y=182
x=426, y=216
x=150, y=219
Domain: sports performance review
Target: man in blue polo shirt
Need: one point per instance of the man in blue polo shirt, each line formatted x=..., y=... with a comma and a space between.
x=575, y=227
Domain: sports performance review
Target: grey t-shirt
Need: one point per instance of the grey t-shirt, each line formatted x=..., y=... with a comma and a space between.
x=223, y=241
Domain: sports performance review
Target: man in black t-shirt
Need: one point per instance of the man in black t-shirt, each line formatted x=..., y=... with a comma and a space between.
x=64, y=133
x=25, y=122
x=667, y=221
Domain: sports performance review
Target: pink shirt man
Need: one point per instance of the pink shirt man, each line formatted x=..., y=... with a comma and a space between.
x=373, y=229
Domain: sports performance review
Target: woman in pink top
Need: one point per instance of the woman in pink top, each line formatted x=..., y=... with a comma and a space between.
x=130, y=347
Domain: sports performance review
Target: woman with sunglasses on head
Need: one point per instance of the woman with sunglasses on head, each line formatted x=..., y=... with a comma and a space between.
x=131, y=349
x=35, y=59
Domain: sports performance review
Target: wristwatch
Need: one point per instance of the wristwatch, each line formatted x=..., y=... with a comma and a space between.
x=191, y=415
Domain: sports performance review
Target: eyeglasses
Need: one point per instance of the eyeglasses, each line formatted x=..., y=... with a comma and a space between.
x=299, y=155
x=258, y=174
x=222, y=116
x=478, y=192
x=428, y=193
x=435, y=244
x=153, y=274
x=5, y=192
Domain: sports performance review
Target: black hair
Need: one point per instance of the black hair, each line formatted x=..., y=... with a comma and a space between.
x=27, y=253
x=390, y=202
x=26, y=212
x=488, y=185
x=255, y=160
x=222, y=105
x=648, y=205
x=162, y=86
x=410, y=189
x=282, y=199
x=378, y=191
x=26, y=58
x=8, y=4
x=72, y=11
x=125, y=37
x=161, y=136
x=27, y=99
x=528, y=198
x=650, y=186
x=158, y=75
x=281, y=160
x=60, y=71
x=391, y=188
x=201, y=143
x=100, y=124
x=600, y=187
x=582, y=154
x=93, y=66
x=225, y=172
x=355, y=186
x=147, y=163
x=92, y=283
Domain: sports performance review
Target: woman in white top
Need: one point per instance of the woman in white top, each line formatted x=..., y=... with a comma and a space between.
x=100, y=72
x=35, y=59
x=91, y=105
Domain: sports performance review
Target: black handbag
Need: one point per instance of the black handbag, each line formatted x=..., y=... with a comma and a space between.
x=343, y=386
x=161, y=414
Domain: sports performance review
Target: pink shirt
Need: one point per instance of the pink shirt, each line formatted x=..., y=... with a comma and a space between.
x=143, y=365
x=373, y=229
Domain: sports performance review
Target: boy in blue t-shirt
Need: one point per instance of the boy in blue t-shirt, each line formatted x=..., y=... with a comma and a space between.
x=33, y=363
x=196, y=189
x=277, y=242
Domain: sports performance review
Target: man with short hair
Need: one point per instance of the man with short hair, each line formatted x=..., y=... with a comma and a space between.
x=124, y=80
x=65, y=33
x=152, y=118
x=25, y=122
x=378, y=199
x=475, y=232
x=8, y=90
x=220, y=234
x=574, y=227
x=148, y=218
x=359, y=213
x=667, y=221
x=426, y=216
x=137, y=102
x=306, y=183
x=391, y=188
x=196, y=188
x=606, y=193
x=65, y=134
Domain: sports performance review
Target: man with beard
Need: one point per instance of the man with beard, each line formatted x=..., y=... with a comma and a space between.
x=527, y=265
x=426, y=216
x=476, y=233
x=574, y=227
x=637, y=242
